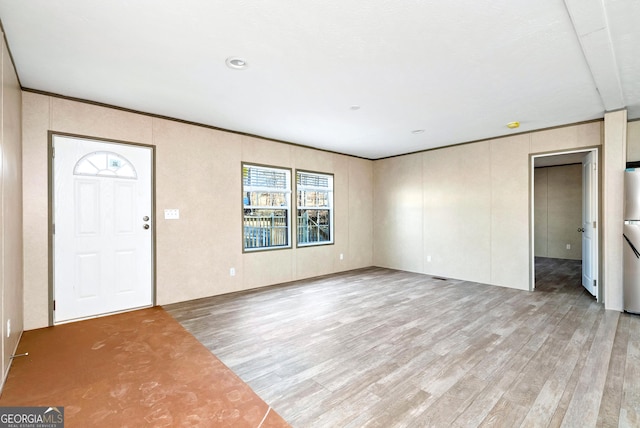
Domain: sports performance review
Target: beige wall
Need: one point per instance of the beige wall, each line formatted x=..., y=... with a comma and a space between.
x=614, y=159
x=633, y=141
x=197, y=171
x=460, y=212
x=463, y=212
x=398, y=233
x=558, y=212
x=11, y=276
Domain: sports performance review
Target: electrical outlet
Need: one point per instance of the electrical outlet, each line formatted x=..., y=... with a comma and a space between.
x=341, y=256
x=568, y=246
x=428, y=259
x=232, y=272
x=172, y=214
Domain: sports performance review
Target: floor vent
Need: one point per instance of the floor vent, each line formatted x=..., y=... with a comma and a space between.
x=440, y=278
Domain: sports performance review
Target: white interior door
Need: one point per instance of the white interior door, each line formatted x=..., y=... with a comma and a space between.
x=102, y=228
x=589, y=223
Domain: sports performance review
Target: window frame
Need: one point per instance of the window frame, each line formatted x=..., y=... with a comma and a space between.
x=289, y=208
x=331, y=209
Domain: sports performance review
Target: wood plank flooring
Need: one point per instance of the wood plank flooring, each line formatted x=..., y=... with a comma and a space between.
x=381, y=348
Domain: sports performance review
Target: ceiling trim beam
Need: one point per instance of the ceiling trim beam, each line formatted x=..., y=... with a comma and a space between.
x=591, y=26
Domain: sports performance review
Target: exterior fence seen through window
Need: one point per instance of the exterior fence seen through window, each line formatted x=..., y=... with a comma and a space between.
x=266, y=207
x=315, y=208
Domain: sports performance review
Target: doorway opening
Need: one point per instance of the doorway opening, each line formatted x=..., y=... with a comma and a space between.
x=564, y=219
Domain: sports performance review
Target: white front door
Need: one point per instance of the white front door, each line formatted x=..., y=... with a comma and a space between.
x=589, y=223
x=102, y=241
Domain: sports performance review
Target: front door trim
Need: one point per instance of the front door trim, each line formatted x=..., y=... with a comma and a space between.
x=50, y=208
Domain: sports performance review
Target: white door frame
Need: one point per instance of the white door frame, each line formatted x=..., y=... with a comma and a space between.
x=51, y=197
x=532, y=260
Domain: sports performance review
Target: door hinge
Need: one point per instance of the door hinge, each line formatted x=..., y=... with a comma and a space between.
x=594, y=225
x=54, y=305
x=53, y=152
x=53, y=229
x=595, y=283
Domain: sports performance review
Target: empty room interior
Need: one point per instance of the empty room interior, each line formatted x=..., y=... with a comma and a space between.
x=320, y=214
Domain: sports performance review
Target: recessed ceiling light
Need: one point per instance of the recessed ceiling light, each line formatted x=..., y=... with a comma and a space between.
x=417, y=131
x=513, y=125
x=236, y=63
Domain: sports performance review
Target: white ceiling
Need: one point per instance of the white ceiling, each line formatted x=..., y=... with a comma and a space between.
x=459, y=70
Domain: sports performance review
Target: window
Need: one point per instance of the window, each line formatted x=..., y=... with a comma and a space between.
x=266, y=195
x=105, y=164
x=315, y=208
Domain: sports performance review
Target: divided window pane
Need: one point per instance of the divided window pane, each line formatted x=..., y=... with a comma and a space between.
x=266, y=199
x=315, y=208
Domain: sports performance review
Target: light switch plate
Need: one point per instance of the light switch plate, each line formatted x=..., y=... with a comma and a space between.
x=172, y=214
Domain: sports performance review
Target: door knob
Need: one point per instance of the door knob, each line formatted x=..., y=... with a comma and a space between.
x=146, y=226
x=145, y=218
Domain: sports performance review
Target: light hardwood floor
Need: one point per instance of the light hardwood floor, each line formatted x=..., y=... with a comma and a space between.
x=381, y=348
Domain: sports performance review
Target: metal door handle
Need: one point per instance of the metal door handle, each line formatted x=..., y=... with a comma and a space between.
x=146, y=226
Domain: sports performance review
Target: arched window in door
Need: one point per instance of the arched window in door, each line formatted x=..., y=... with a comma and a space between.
x=105, y=164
